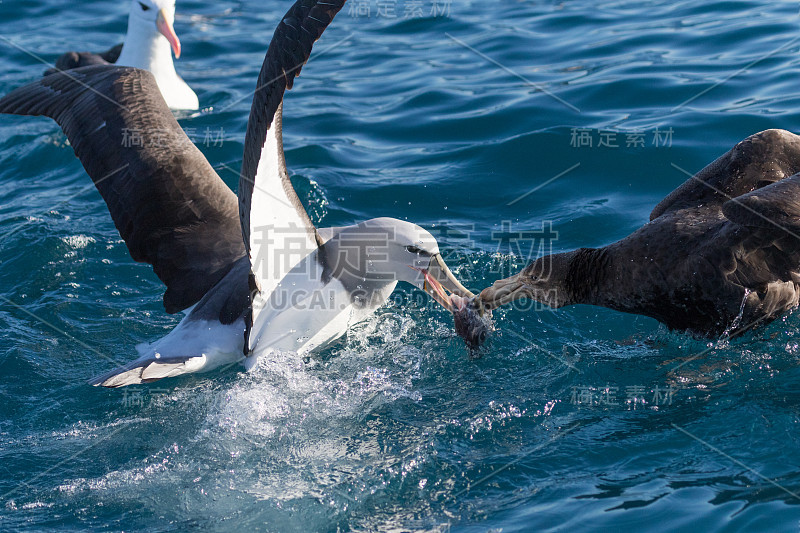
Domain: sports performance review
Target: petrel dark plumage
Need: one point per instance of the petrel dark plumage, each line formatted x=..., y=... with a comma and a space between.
x=720, y=254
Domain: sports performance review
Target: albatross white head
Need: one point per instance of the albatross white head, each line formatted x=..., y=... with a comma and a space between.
x=387, y=250
x=413, y=256
x=149, y=44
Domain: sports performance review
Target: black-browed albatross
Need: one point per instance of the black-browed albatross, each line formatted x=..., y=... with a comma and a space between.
x=720, y=255
x=255, y=275
x=147, y=46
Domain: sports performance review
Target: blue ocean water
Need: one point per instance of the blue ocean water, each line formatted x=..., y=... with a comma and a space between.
x=489, y=123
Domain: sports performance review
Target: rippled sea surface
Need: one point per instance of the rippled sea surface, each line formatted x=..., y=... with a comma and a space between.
x=473, y=119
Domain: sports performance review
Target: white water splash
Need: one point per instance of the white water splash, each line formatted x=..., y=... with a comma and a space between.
x=738, y=320
x=78, y=241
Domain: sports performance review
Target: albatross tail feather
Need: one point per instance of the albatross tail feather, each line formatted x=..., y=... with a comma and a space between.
x=149, y=369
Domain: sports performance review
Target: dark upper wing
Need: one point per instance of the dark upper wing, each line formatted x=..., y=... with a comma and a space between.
x=288, y=51
x=71, y=60
x=167, y=202
x=755, y=162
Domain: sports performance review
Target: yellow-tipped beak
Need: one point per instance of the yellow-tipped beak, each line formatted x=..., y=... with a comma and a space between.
x=165, y=28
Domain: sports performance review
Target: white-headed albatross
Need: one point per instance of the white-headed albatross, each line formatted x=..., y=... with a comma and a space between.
x=285, y=286
x=149, y=44
x=720, y=255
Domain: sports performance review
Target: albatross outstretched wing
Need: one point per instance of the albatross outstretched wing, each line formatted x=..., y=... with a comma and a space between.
x=277, y=231
x=167, y=202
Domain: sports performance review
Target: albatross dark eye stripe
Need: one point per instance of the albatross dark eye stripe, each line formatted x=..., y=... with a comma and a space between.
x=417, y=250
x=144, y=7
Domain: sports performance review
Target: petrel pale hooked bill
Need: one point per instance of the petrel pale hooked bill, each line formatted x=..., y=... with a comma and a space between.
x=254, y=275
x=149, y=44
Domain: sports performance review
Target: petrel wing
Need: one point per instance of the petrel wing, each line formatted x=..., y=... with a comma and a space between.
x=755, y=162
x=775, y=207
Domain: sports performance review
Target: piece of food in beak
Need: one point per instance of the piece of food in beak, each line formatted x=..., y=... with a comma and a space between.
x=473, y=321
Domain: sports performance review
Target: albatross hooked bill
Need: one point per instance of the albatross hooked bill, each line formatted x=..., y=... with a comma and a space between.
x=438, y=280
x=165, y=28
